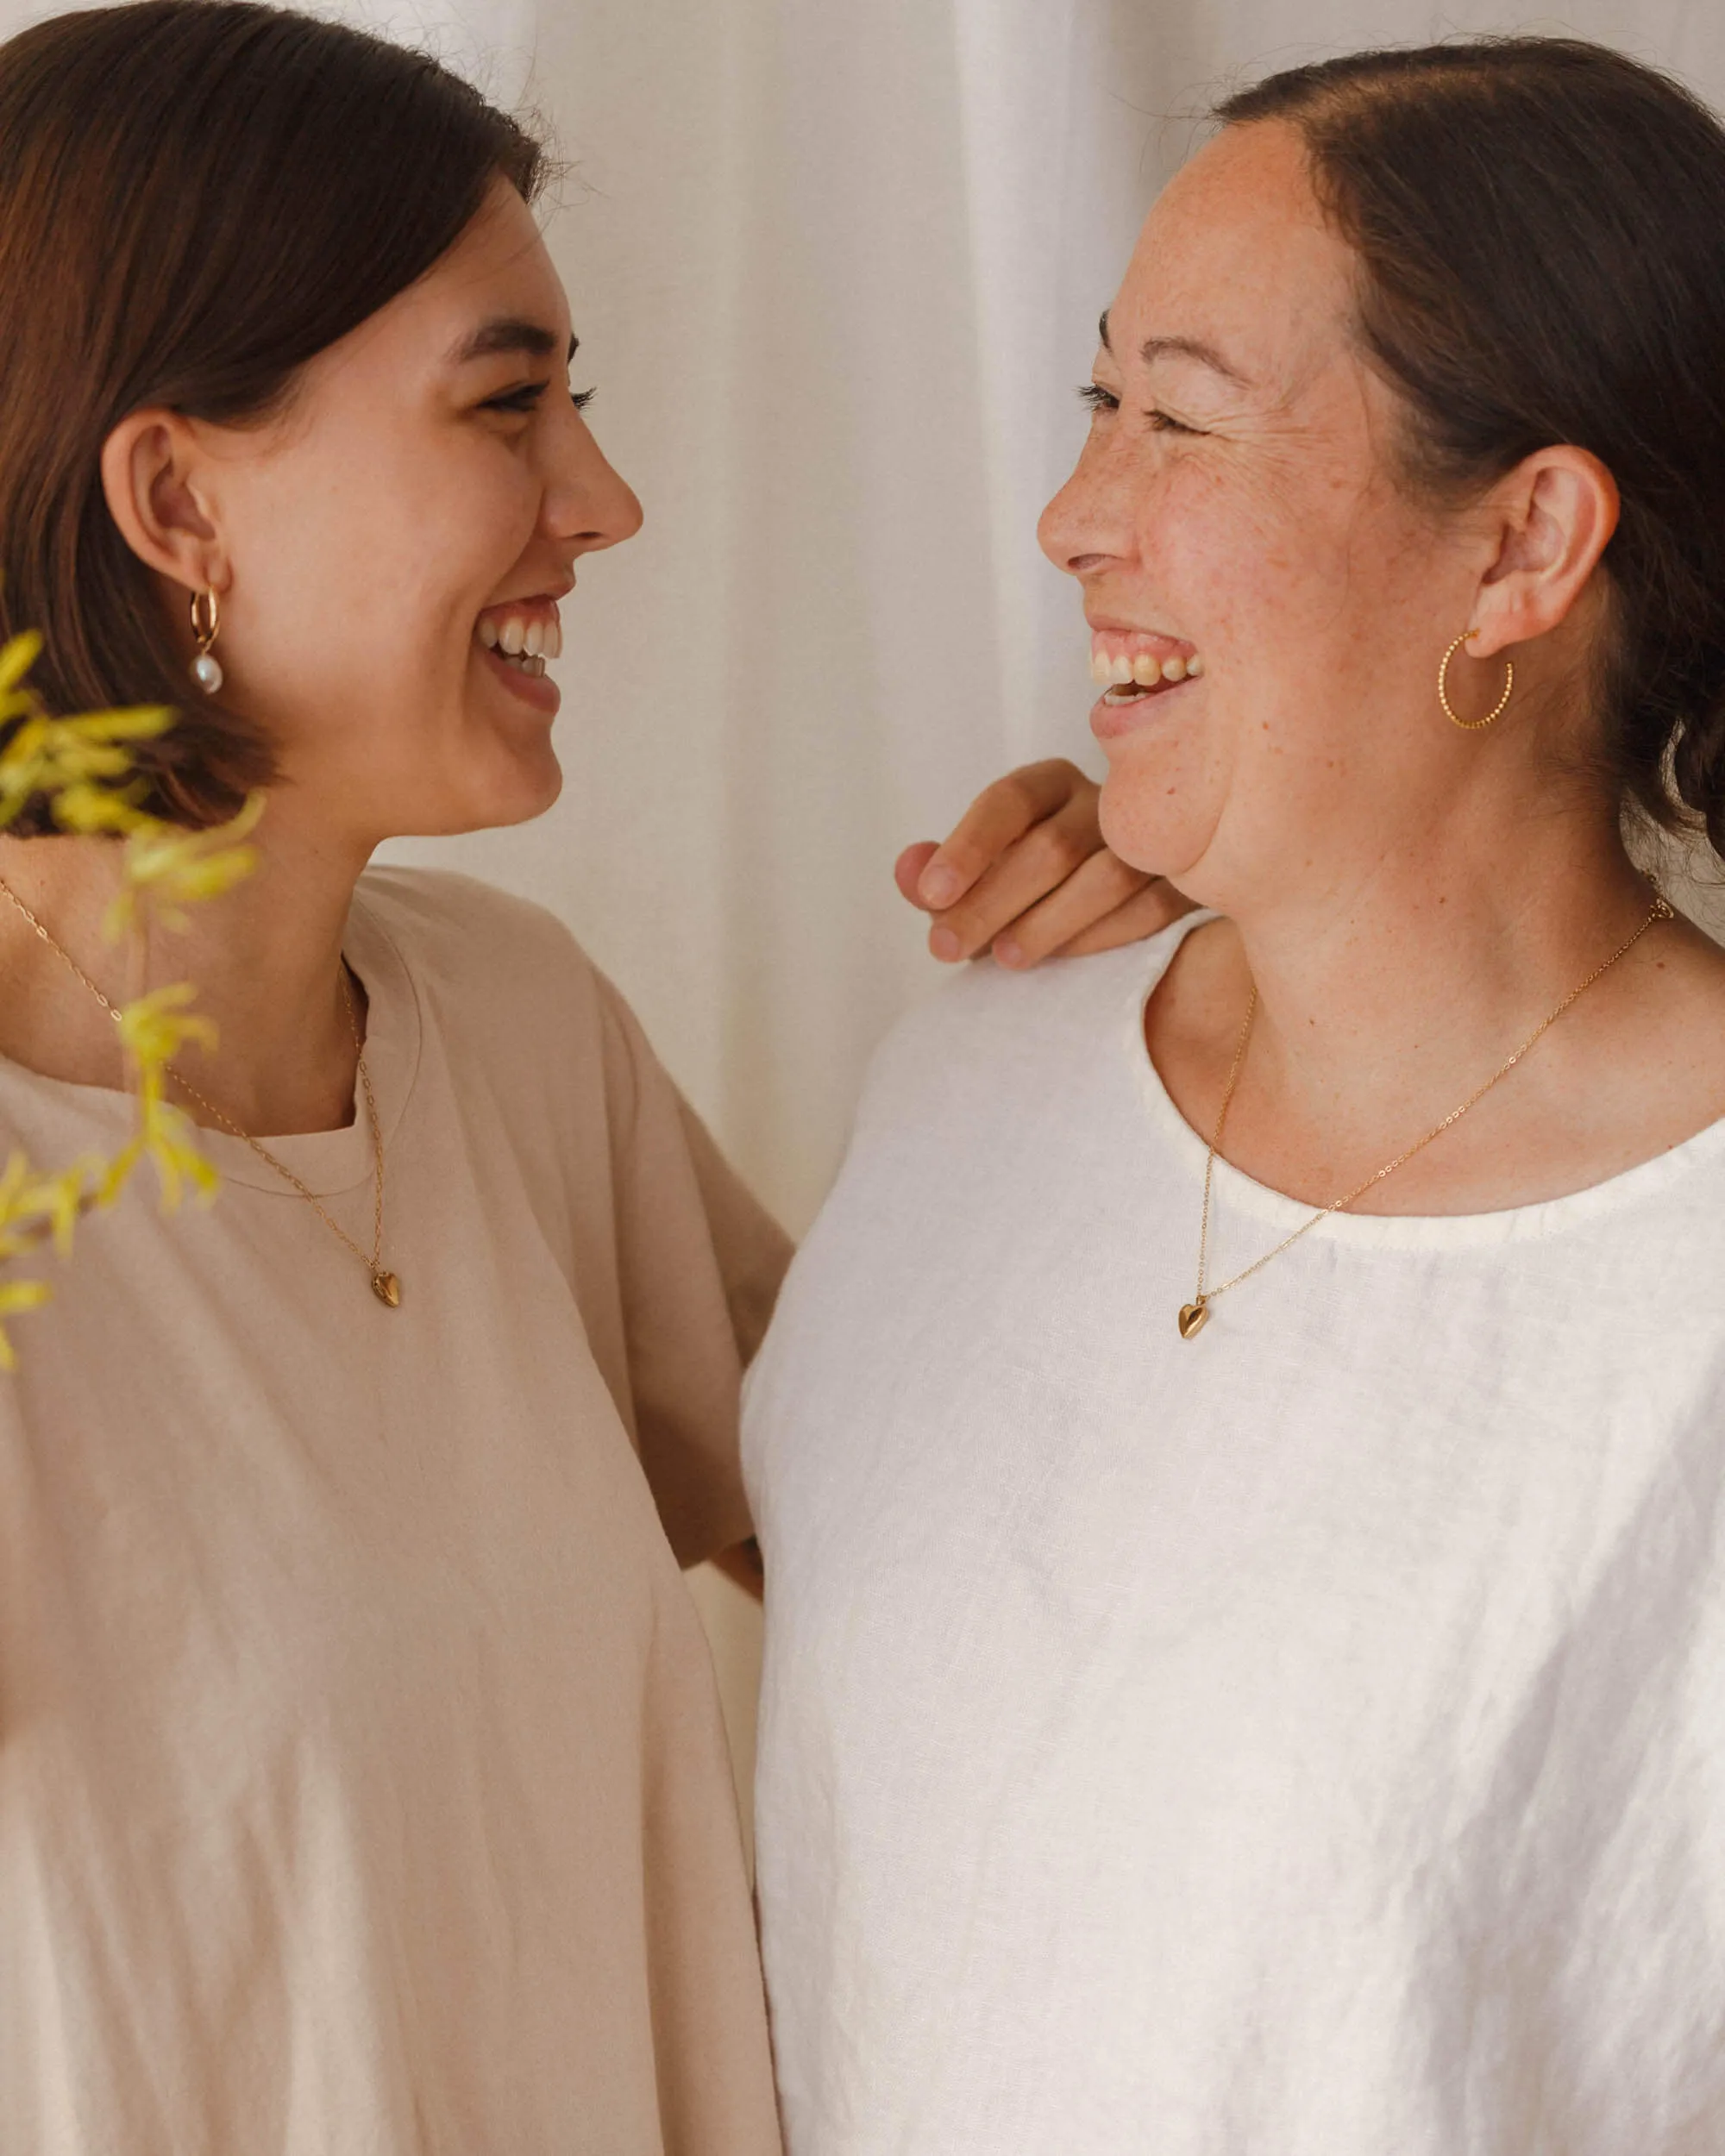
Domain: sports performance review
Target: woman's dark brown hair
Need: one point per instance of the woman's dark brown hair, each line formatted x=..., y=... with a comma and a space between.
x=196, y=196
x=1540, y=228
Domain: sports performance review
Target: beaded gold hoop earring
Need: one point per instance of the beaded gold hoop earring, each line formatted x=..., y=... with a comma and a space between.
x=206, y=623
x=1472, y=725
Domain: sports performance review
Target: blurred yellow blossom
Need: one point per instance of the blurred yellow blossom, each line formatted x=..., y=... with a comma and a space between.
x=83, y=768
x=168, y=868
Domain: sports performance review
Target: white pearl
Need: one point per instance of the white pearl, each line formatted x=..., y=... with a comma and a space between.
x=206, y=671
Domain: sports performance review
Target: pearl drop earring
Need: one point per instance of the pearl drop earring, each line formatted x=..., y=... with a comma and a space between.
x=206, y=621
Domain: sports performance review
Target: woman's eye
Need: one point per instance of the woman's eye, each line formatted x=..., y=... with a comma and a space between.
x=1101, y=399
x=526, y=398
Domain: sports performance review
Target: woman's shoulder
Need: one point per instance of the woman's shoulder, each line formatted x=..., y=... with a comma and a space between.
x=455, y=920
x=484, y=947
x=991, y=1034
x=485, y=965
x=506, y=978
x=1060, y=999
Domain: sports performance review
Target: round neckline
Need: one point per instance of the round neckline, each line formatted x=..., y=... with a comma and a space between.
x=1234, y=1189
x=327, y=1161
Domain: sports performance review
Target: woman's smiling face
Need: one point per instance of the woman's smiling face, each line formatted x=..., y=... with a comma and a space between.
x=415, y=511
x=1239, y=500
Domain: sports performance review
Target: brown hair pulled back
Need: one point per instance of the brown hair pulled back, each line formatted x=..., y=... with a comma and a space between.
x=1541, y=228
x=196, y=196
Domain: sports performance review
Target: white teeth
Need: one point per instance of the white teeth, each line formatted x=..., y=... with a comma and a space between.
x=522, y=636
x=1143, y=671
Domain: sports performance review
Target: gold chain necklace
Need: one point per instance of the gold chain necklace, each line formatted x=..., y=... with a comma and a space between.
x=385, y=1286
x=1194, y=1315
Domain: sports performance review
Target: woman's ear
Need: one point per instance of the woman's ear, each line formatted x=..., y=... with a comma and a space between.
x=1554, y=515
x=153, y=468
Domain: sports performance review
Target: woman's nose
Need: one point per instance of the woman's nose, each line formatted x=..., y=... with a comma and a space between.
x=588, y=501
x=1085, y=524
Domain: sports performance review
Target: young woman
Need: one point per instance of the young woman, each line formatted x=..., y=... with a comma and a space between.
x=361, y=1781
x=1241, y=1459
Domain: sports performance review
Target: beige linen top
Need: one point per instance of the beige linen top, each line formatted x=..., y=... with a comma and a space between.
x=363, y=1790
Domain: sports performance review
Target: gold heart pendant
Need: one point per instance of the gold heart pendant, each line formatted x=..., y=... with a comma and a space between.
x=1193, y=1316
x=387, y=1289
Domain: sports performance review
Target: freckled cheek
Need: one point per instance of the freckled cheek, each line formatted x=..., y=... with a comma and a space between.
x=1219, y=558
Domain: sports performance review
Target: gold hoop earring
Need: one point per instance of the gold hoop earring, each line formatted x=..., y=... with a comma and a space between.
x=206, y=623
x=1472, y=725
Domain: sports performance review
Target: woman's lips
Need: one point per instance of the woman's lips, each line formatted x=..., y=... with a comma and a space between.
x=1109, y=721
x=538, y=691
x=1136, y=667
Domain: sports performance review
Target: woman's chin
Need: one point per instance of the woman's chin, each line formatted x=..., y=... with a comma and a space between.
x=494, y=789
x=527, y=793
x=1147, y=826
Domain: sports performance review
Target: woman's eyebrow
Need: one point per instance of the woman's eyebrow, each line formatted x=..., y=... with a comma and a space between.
x=508, y=332
x=1154, y=348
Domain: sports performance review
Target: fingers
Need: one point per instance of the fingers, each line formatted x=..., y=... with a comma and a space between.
x=999, y=816
x=1094, y=890
x=1043, y=860
x=908, y=868
x=1145, y=914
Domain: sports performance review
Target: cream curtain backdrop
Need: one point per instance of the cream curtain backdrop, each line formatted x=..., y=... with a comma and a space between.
x=836, y=269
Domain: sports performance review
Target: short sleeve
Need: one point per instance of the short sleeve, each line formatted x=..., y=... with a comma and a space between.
x=699, y=1262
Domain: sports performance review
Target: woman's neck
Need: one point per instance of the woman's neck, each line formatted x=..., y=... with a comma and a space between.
x=1423, y=963
x=1384, y=1002
x=264, y=959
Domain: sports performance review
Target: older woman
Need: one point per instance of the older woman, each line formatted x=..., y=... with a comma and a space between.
x=1247, y=1679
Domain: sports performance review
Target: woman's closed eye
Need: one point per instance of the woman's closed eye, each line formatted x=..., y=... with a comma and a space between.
x=525, y=398
x=1101, y=399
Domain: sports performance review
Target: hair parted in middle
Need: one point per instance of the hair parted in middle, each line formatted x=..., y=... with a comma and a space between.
x=197, y=196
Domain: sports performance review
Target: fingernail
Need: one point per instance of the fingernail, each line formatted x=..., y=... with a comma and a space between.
x=1007, y=953
x=944, y=944
x=940, y=885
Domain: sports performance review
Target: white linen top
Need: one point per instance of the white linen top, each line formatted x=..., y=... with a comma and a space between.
x=363, y=1790
x=1304, y=1740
